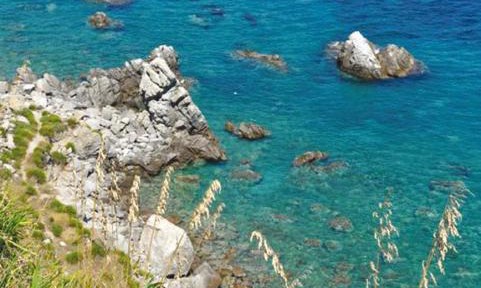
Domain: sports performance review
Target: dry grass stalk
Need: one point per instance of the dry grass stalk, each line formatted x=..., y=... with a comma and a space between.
x=447, y=227
x=202, y=210
x=387, y=249
x=268, y=252
x=211, y=228
x=163, y=198
x=164, y=192
x=133, y=208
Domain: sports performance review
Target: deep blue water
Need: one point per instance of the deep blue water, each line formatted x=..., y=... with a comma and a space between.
x=401, y=133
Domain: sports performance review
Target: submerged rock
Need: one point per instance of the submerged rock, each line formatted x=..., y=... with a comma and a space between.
x=332, y=167
x=341, y=224
x=309, y=157
x=445, y=185
x=272, y=60
x=360, y=58
x=249, y=131
x=100, y=20
x=246, y=175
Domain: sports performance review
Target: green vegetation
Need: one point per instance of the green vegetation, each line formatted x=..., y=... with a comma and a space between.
x=58, y=158
x=51, y=125
x=70, y=146
x=5, y=174
x=30, y=190
x=72, y=122
x=98, y=250
x=73, y=257
x=37, y=174
x=58, y=207
x=39, y=154
x=57, y=230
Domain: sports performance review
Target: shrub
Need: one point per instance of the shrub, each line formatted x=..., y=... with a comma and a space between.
x=70, y=146
x=37, y=234
x=51, y=124
x=72, y=122
x=57, y=230
x=98, y=249
x=74, y=222
x=30, y=190
x=5, y=174
x=39, y=153
x=73, y=257
x=38, y=174
x=59, y=158
x=27, y=113
x=58, y=207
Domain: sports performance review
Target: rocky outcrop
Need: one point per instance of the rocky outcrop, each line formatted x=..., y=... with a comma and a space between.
x=100, y=20
x=309, y=157
x=203, y=277
x=272, y=60
x=142, y=119
x=249, y=131
x=358, y=57
x=174, y=250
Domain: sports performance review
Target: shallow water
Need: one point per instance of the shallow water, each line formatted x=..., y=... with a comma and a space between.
x=402, y=133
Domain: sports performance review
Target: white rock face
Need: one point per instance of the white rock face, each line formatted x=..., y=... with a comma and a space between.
x=171, y=248
x=363, y=59
x=203, y=277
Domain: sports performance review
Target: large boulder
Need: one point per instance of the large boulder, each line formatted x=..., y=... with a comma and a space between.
x=100, y=20
x=203, y=277
x=309, y=157
x=171, y=251
x=358, y=57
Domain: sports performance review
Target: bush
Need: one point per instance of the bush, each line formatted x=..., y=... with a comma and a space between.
x=5, y=174
x=27, y=113
x=70, y=146
x=98, y=250
x=51, y=124
x=59, y=158
x=38, y=174
x=37, y=234
x=72, y=122
x=39, y=153
x=73, y=257
x=58, y=207
x=57, y=230
x=30, y=190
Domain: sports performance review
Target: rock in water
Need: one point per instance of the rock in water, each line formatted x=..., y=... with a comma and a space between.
x=100, y=20
x=249, y=131
x=360, y=58
x=273, y=60
x=309, y=157
x=114, y=2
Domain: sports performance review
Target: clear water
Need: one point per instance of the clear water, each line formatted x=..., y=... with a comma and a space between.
x=401, y=133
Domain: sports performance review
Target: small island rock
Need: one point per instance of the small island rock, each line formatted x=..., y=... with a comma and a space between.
x=359, y=57
x=309, y=157
x=249, y=131
x=272, y=60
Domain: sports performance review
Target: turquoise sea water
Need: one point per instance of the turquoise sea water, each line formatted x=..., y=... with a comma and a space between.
x=401, y=133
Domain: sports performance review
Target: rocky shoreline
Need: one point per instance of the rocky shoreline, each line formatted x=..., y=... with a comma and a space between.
x=132, y=120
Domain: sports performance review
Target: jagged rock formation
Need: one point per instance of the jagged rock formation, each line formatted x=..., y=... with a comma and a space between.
x=147, y=120
x=359, y=57
x=249, y=131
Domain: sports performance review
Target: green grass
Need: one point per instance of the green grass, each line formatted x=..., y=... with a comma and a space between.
x=27, y=113
x=70, y=146
x=72, y=122
x=30, y=190
x=98, y=250
x=5, y=174
x=58, y=207
x=37, y=174
x=58, y=158
x=57, y=230
x=51, y=125
x=73, y=257
x=39, y=153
